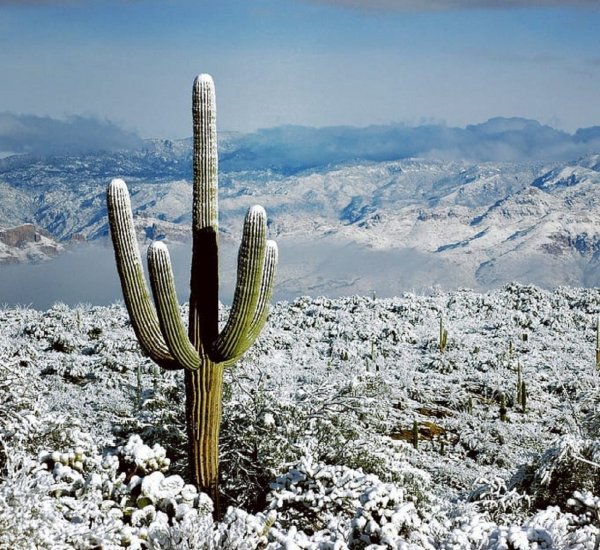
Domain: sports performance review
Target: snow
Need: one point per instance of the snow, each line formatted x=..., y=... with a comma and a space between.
x=317, y=446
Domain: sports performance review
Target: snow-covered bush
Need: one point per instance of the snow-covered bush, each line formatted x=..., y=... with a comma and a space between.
x=343, y=423
x=84, y=498
x=550, y=529
x=336, y=505
x=498, y=501
x=18, y=408
x=30, y=517
x=336, y=383
x=571, y=464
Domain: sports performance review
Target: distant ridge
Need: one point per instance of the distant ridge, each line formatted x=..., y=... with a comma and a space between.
x=476, y=223
x=291, y=149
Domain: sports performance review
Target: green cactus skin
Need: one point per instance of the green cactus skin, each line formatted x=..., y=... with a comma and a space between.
x=201, y=351
x=443, y=340
x=415, y=434
x=503, y=409
x=598, y=342
x=519, y=382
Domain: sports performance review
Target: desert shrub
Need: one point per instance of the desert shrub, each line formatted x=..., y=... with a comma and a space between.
x=30, y=517
x=79, y=497
x=302, y=394
x=159, y=416
x=340, y=507
x=549, y=528
x=501, y=503
x=571, y=464
x=342, y=424
x=19, y=409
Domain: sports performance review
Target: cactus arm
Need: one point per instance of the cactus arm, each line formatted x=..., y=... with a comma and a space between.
x=129, y=265
x=167, y=307
x=266, y=291
x=230, y=342
x=262, y=307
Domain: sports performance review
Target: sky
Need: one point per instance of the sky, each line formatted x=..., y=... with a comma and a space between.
x=131, y=63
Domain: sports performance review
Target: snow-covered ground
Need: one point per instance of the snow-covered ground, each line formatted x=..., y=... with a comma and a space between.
x=318, y=442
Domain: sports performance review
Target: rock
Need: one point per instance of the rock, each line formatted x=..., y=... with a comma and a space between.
x=27, y=243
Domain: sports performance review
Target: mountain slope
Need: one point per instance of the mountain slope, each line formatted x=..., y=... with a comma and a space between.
x=490, y=222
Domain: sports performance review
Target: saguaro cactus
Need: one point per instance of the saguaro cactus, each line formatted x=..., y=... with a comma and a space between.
x=204, y=351
x=443, y=341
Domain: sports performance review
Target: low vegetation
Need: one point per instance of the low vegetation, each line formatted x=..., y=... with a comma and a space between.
x=318, y=434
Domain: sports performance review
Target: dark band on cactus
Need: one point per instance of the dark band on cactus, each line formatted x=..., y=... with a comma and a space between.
x=204, y=284
x=129, y=265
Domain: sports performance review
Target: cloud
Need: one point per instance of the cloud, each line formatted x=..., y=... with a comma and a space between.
x=323, y=267
x=378, y=5
x=77, y=134
x=291, y=149
x=430, y=5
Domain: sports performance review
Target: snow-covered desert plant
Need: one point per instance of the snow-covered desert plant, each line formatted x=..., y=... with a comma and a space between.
x=316, y=456
x=204, y=351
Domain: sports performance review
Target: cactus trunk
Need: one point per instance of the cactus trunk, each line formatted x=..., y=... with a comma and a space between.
x=202, y=352
x=203, y=390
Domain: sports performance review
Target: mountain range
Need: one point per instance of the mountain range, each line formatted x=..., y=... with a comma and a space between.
x=348, y=206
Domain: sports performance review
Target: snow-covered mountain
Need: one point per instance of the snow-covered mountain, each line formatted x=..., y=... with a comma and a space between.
x=478, y=223
x=27, y=243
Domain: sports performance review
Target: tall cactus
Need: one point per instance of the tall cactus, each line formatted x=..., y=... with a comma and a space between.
x=204, y=351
